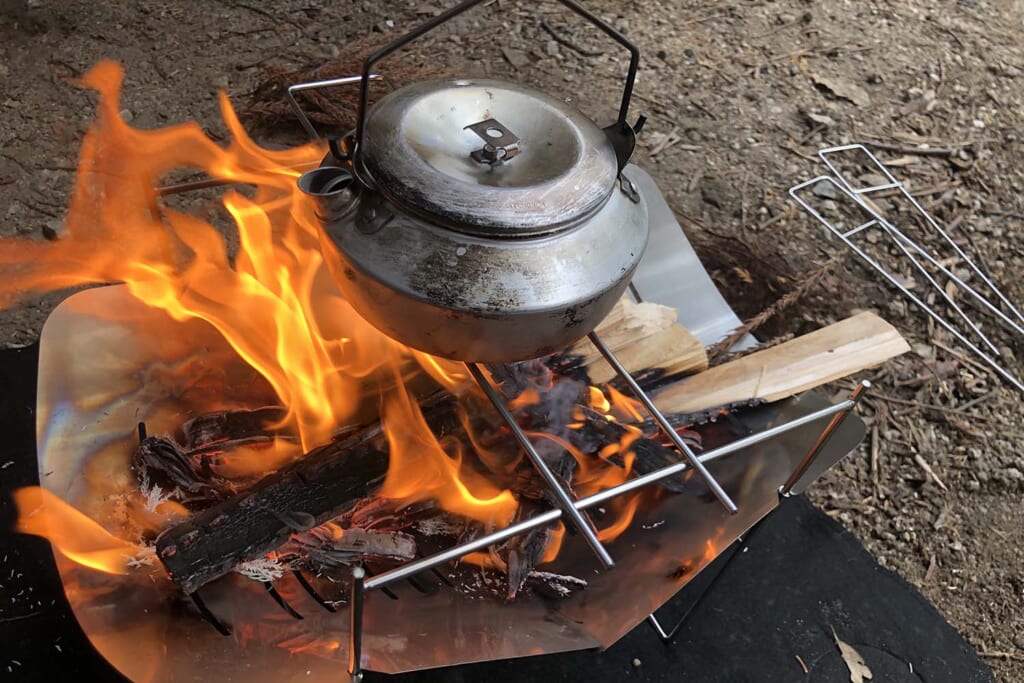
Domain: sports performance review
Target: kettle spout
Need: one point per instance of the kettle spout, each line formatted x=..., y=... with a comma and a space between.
x=331, y=187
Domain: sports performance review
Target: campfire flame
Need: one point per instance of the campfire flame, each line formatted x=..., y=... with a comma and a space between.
x=273, y=302
x=76, y=536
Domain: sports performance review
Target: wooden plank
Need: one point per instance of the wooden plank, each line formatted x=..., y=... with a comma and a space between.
x=844, y=348
x=644, y=335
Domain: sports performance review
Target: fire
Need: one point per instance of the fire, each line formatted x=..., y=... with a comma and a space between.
x=74, y=535
x=421, y=469
x=274, y=302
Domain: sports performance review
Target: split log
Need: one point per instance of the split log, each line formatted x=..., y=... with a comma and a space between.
x=643, y=336
x=844, y=348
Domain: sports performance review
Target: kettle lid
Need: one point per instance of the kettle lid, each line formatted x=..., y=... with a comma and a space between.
x=486, y=157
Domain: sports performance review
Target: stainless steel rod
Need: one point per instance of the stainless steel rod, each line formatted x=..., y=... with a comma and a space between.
x=687, y=452
x=823, y=438
x=315, y=85
x=355, y=626
x=565, y=502
x=407, y=570
x=712, y=455
x=658, y=628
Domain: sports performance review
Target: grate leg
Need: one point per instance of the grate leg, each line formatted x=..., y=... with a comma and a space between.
x=823, y=439
x=355, y=626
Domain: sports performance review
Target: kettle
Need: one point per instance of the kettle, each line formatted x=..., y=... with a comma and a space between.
x=476, y=219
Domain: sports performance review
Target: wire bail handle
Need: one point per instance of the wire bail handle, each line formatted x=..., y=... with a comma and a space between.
x=621, y=134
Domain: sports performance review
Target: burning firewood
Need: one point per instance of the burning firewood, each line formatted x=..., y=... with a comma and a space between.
x=281, y=512
x=251, y=519
x=312, y=490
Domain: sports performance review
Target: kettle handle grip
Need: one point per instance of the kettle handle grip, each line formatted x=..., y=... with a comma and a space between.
x=427, y=27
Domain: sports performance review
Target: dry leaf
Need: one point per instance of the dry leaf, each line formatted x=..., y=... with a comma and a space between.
x=848, y=90
x=859, y=671
x=743, y=274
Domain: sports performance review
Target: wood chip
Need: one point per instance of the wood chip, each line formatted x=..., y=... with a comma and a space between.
x=933, y=566
x=859, y=671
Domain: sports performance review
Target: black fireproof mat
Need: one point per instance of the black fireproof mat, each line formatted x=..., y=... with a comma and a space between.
x=798, y=576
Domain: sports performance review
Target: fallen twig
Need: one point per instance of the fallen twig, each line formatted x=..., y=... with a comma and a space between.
x=923, y=464
x=790, y=298
x=562, y=40
x=966, y=359
x=996, y=654
x=922, y=151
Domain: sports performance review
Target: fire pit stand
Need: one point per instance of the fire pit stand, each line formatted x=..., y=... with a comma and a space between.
x=778, y=594
x=776, y=449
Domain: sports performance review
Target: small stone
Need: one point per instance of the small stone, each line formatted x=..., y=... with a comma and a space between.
x=637, y=662
x=552, y=48
x=51, y=229
x=873, y=180
x=127, y=116
x=825, y=189
x=978, y=123
x=924, y=350
x=516, y=58
x=1013, y=474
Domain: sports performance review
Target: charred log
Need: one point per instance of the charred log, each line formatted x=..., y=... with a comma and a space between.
x=321, y=547
x=161, y=461
x=314, y=489
x=229, y=425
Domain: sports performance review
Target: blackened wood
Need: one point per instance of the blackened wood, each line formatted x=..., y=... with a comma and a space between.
x=319, y=548
x=312, y=490
x=228, y=425
x=524, y=552
x=160, y=461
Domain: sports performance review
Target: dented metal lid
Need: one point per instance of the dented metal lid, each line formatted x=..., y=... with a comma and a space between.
x=487, y=158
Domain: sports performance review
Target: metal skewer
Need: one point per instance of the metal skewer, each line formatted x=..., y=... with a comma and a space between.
x=677, y=440
x=565, y=502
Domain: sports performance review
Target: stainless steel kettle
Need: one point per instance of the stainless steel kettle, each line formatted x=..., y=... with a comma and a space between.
x=480, y=220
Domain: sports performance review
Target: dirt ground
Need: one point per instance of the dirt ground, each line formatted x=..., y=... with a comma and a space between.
x=740, y=96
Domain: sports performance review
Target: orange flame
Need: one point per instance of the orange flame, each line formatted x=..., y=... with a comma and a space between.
x=420, y=469
x=274, y=302
x=76, y=536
